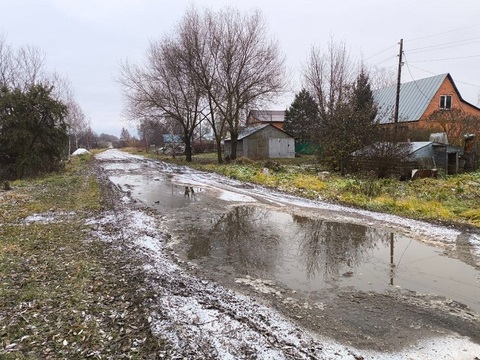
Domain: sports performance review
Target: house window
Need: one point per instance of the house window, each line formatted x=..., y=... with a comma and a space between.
x=446, y=102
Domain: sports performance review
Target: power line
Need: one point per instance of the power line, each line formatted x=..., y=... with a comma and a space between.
x=449, y=43
x=440, y=47
x=444, y=32
x=456, y=81
x=385, y=60
x=380, y=52
x=408, y=67
x=457, y=58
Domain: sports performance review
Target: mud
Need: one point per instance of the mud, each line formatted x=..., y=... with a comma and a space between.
x=349, y=286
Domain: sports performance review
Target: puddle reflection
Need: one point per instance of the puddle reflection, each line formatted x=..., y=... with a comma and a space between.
x=313, y=255
x=157, y=192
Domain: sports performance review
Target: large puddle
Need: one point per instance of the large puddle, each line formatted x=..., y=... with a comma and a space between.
x=305, y=254
x=314, y=255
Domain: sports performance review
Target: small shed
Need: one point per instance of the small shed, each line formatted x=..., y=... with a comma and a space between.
x=432, y=154
x=263, y=142
x=424, y=158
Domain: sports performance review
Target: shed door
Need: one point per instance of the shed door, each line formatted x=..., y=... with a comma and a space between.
x=281, y=148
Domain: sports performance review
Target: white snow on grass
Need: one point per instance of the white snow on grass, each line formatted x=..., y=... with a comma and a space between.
x=47, y=218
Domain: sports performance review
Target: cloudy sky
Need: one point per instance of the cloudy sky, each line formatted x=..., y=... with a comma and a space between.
x=86, y=40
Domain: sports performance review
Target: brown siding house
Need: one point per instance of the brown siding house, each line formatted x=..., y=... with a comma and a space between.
x=419, y=100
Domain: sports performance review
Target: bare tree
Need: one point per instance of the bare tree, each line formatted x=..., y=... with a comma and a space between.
x=381, y=77
x=236, y=63
x=200, y=54
x=21, y=68
x=217, y=65
x=163, y=89
x=329, y=76
x=455, y=123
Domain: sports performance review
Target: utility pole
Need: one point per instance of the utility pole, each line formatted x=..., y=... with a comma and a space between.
x=399, y=80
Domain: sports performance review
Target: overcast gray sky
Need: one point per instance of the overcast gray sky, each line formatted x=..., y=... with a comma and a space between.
x=85, y=40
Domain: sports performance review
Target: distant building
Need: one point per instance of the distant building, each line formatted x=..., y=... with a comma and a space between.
x=264, y=117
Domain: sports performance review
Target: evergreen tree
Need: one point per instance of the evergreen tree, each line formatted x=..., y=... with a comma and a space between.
x=33, y=134
x=364, y=113
x=301, y=118
x=353, y=126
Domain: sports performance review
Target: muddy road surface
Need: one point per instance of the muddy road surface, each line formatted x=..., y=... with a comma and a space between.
x=370, y=285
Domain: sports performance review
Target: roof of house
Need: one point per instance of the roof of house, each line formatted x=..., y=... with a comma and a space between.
x=268, y=115
x=414, y=146
x=172, y=138
x=415, y=96
x=253, y=129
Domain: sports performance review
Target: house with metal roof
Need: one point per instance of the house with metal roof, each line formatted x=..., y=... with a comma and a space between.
x=263, y=117
x=263, y=142
x=420, y=99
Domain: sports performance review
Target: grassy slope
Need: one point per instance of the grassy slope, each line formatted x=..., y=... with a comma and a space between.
x=62, y=294
x=450, y=199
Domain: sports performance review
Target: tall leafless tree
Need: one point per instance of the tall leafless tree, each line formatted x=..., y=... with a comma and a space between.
x=163, y=88
x=21, y=68
x=329, y=76
x=235, y=62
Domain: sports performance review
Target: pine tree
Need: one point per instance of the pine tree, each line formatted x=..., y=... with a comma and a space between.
x=33, y=135
x=301, y=118
x=364, y=113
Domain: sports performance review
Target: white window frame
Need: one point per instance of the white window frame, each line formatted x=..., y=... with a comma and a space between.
x=445, y=102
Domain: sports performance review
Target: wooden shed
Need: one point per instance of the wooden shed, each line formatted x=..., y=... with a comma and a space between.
x=263, y=142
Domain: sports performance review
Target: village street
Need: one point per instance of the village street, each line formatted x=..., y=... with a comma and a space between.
x=240, y=271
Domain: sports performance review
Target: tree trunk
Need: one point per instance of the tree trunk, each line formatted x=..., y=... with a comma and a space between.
x=188, y=150
x=219, y=150
x=234, y=138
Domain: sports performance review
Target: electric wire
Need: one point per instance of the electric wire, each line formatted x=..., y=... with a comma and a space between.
x=416, y=85
x=445, y=45
x=385, y=60
x=444, y=32
x=381, y=52
x=444, y=59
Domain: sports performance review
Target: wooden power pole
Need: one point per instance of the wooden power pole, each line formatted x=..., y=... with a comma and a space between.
x=399, y=80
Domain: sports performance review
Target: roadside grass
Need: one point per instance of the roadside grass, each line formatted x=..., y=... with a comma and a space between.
x=62, y=294
x=447, y=199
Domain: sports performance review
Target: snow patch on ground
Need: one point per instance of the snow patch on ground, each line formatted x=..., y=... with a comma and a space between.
x=47, y=218
x=475, y=241
x=231, y=196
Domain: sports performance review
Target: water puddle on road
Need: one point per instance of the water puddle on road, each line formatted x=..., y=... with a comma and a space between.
x=157, y=191
x=314, y=255
x=305, y=254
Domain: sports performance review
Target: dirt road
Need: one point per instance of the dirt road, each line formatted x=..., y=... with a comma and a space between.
x=227, y=283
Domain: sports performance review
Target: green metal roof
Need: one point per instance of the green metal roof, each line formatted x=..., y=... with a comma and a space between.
x=415, y=96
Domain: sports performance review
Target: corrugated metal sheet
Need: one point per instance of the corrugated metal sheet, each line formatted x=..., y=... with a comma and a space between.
x=415, y=96
x=268, y=115
x=250, y=130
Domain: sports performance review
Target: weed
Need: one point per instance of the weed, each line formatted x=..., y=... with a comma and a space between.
x=60, y=294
